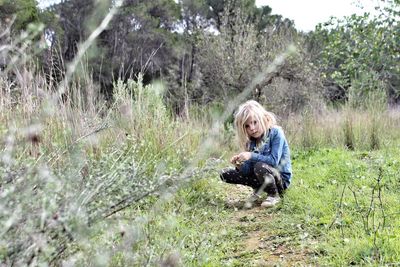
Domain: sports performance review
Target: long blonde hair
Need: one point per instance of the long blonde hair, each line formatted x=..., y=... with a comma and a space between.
x=252, y=108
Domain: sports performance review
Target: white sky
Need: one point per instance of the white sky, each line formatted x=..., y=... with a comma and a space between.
x=306, y=14
x=46, y=3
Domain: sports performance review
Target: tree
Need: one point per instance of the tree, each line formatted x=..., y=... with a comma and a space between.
x=223, y=48
x=205, y=50
x=140, y=39
x=19, y=34
x=358, y=54
x=23, y=11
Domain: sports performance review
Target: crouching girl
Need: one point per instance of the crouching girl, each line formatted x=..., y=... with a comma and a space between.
x=264, y=163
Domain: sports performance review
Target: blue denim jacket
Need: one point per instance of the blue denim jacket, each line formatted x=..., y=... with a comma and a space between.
x=273, y=150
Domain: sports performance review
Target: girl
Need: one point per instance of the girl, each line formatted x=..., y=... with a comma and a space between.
x=265, y=163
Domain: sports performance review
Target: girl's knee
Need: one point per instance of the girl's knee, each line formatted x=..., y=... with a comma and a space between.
x=260, y=169
x=268, y=180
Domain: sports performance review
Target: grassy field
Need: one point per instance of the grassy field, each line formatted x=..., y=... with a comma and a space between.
x=135, y=186
x=341, y=210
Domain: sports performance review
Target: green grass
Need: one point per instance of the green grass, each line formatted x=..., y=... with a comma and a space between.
x=189, y=227
x=330, y=215
x=331, y=201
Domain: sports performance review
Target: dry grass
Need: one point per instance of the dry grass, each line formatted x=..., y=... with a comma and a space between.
x=366, y=129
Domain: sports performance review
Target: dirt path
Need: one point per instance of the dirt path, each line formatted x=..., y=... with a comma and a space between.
x=258, y=246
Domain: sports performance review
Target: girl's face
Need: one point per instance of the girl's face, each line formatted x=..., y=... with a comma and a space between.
x=253, y=127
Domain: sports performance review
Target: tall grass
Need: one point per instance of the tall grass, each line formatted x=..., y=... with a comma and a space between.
x=360, y=129
x=364, y=122
x=67, y=166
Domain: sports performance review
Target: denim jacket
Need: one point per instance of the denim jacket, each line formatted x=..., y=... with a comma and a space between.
x=273, y=150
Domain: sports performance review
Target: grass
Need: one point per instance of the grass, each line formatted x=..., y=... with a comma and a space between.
x=338, y=210
x=66, y=170
x=130, y=187
x=185, y=228
x=359, y=129
x=336, y=213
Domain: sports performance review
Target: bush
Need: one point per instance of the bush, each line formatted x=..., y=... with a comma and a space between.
x=56, y=199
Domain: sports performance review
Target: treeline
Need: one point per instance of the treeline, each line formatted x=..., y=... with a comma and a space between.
x=210, y=50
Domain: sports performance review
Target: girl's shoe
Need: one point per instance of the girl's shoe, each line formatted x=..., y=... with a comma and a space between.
x=270, y=201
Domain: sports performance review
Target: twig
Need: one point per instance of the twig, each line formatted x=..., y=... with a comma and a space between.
x=380, y=196
x=370, y=209
x=339, y=207
x=359, y=208
x=126, y=202
x=153, y=53
x=58, y=155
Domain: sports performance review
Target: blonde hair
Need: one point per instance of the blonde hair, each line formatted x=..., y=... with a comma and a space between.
x=252, y=108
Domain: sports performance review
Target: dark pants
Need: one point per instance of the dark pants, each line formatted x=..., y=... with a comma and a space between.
x=262, y=178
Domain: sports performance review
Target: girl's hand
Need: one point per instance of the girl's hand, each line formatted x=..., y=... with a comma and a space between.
x=235, y=159
x=240, y=157
x=244, y=156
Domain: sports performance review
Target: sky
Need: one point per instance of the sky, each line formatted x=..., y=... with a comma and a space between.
x=46, y=3
x=306, y=14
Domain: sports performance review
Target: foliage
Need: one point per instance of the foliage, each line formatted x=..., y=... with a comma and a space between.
x=164, y=40
x=20, y=35
x=232, y=59
x=359, y=54
x=139, y=39
x=212, y=31
x=58, y=188
x=228, y=60
x=24, y=12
